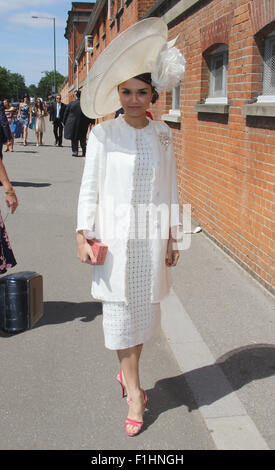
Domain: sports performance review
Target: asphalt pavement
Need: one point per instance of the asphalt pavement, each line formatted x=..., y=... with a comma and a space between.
x=209, y=375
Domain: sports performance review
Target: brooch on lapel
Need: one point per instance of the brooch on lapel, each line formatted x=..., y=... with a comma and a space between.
x=164, y=139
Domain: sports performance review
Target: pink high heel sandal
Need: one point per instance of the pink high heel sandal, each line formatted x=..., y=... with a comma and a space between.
x=123, y=389
x=135, y=423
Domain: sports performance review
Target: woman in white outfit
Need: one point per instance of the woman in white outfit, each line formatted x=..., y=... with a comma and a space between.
x=129, y=180
x=40, y=114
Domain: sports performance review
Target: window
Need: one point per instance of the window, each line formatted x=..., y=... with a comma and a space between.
x=269, y=70
x=218, y=64
x=111, y=9
x=174, y=113
x=175, y=101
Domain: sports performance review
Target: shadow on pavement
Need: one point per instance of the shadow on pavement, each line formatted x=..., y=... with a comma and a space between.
x=206, y=385
x=26, y=151
x=62, y=312
x=26, y=184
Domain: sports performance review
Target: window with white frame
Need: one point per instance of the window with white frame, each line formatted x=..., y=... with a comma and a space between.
x=269, y=70
x=175, y=101
x=218, y=63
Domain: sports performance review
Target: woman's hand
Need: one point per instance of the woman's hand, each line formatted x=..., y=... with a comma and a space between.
x=84, y=250
x=172, y=254
x=11, y=201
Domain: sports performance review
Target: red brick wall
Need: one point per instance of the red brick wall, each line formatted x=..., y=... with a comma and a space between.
x=226, y=166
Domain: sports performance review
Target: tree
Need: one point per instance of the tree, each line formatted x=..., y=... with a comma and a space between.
x=32, y=90
x=17, y=86
x=46, y=84
x=4, y=83
x=12, y=85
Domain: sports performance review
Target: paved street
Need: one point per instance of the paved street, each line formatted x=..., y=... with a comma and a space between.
x=58, y=387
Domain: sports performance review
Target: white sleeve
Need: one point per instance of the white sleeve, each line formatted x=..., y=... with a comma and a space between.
x=88, y=196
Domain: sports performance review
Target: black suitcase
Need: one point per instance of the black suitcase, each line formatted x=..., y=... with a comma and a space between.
x=21, y=301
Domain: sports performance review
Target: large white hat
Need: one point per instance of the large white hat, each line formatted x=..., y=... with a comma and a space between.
x=136, y=50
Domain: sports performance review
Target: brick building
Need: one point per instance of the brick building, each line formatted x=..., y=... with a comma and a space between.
x=77, y=21
x=222, y=115
x=106, y=20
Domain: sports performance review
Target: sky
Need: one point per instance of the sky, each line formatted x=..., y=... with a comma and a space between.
x=26, y=44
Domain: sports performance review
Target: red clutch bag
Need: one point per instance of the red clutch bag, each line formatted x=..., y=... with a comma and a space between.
x=99, y=250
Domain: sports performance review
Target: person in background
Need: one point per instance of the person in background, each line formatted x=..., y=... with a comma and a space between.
x=76, y=125
x=7, y=259
x=25, y=116
x=57, y=110
x=10, y=113
x=40, y=113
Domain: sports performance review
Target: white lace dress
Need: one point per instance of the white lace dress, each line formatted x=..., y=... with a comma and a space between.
x=127, y=325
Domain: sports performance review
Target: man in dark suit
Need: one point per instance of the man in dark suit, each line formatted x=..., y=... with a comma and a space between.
x=57, y=110
x=76, y=125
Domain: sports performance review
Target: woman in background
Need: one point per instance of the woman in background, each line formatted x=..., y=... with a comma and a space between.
x=10, y=113
x=40, y=113
x=25, y=116
x=7, y=259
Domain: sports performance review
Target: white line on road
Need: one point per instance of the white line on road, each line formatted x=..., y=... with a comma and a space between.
x=225, y=416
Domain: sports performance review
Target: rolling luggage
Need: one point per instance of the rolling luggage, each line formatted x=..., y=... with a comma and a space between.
x=21, y=301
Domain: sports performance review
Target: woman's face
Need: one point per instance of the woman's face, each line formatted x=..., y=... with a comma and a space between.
x=26, y=99
x=6, y=104
x=135, y=97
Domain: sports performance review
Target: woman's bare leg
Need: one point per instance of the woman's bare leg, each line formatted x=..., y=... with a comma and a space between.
x=25, y=135
x=129, y=363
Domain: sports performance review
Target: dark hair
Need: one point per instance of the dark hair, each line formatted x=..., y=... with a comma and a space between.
x=40, y=102
x=146, y=78
x=77, y=93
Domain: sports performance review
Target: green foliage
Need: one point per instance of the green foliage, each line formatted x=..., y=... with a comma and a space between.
x=45, y=86
x=12, y=85
x=32, y=90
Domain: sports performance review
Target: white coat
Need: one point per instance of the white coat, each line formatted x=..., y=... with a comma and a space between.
x=105, y=195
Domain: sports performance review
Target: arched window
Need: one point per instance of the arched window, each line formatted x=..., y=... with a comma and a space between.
x=218, y=71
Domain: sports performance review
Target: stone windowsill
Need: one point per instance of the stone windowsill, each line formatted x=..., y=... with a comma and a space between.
x=217, y=108
x=171, y=117
x=259, y=109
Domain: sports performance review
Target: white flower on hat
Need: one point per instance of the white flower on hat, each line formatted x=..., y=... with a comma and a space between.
x=168, y=69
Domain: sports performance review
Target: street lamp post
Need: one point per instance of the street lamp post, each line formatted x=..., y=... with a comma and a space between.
x=54, y=46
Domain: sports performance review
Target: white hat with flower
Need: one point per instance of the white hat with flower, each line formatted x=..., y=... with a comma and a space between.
x=140, y=49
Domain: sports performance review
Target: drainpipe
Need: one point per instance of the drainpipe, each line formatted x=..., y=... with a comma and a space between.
x=88, y=49
x=77, y=84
